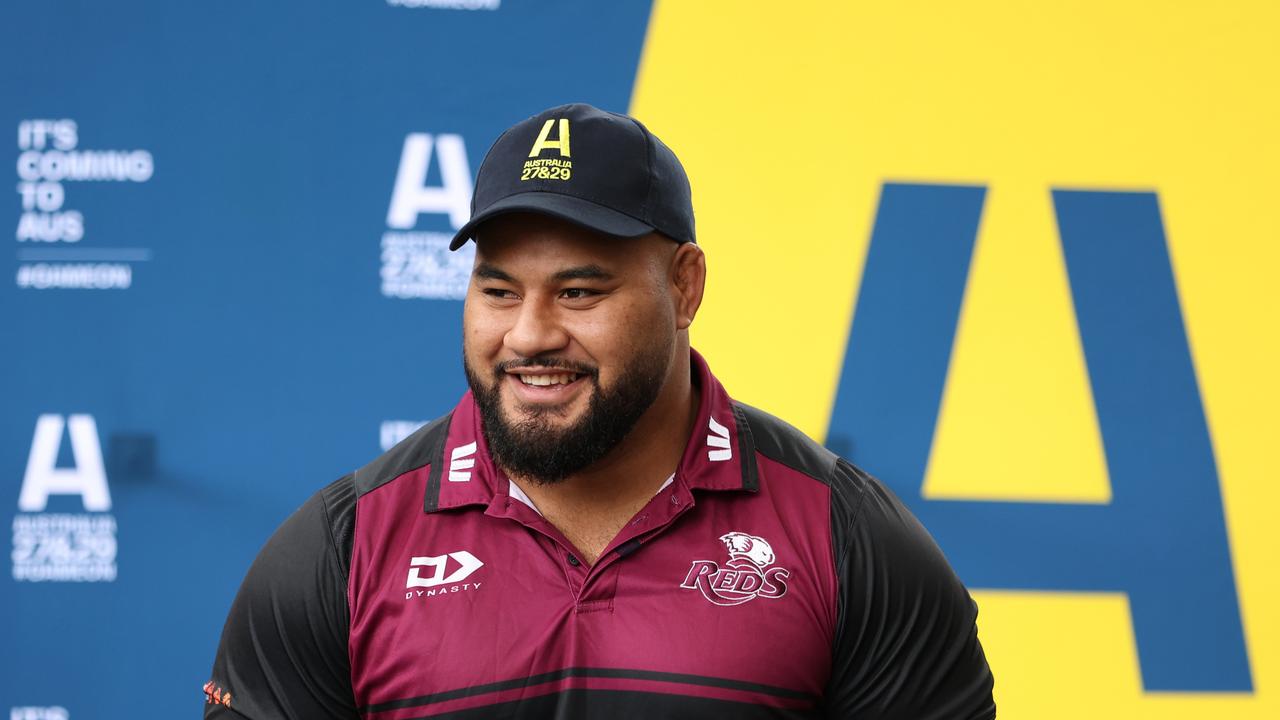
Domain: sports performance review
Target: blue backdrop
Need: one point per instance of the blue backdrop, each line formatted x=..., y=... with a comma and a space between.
x=205, y=268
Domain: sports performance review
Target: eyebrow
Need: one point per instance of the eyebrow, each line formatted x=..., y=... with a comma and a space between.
x=488, y=271
x=583, y=272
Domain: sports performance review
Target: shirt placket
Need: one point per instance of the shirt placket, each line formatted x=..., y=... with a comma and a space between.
x=593, y=586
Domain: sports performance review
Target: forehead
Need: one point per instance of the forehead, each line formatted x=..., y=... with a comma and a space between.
x=528, y=241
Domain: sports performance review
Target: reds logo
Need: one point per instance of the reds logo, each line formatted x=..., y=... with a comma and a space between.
x=744, y=577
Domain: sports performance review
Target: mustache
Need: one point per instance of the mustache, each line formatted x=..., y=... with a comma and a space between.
x=550, y=363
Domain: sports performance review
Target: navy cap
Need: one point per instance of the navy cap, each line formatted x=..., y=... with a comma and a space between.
x=598, y=169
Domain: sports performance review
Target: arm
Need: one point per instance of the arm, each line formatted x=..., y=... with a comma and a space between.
x=906, y=644
x=283, y=652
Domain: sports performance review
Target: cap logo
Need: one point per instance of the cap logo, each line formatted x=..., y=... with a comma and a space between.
x=544, y=140
x=553, y=168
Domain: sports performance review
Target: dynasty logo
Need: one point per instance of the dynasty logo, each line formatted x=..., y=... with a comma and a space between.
x=464, y=563
x=745, y=577
x=549, y=168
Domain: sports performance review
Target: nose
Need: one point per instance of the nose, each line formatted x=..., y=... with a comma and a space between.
x=537, y=330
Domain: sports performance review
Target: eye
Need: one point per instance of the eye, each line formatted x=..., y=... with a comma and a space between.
x=577, y=293
x=500, y=294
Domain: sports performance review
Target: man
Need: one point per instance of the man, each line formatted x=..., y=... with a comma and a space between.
x=597, y=529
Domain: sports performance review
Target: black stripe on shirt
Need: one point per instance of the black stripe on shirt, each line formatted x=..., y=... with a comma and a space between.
x=625, y=673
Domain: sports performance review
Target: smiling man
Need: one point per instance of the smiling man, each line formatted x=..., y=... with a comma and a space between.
x=597, y=530
x=578, y=360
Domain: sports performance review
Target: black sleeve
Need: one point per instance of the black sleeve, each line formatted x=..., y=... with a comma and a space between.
x=906, y=645
x=283, y=652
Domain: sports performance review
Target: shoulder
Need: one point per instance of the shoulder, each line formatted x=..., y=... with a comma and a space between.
x=329, y=514
x=423, y=447
x=783, y=443
x=906, y=642
x=787, y=445
x=283, y=650
x=863, y=511
x=283, y=647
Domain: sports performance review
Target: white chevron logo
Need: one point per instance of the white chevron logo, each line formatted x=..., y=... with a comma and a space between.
x=719, y=438
x=461, y=462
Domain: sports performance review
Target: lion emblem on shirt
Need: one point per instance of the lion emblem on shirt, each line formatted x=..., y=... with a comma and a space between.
x=742, y=545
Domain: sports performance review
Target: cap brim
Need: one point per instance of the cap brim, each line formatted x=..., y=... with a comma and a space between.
x=566, y=207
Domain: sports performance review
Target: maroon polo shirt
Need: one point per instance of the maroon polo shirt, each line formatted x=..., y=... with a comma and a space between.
x=767, y=578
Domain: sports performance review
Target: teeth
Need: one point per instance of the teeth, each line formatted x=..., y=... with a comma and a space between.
x=559, y=379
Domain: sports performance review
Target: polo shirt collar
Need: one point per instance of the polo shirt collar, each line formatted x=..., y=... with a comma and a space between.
x=719, y=455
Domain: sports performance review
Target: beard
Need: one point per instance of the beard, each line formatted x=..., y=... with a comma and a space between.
x=536, y=448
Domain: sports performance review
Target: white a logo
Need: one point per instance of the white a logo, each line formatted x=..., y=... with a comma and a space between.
x=719, y=438
x=43, y=478
x=412, y=196
x=468, y=564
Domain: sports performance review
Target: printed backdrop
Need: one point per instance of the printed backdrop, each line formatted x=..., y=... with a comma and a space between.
x=1016, y=260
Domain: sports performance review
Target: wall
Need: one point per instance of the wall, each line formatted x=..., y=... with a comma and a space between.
x=1014, y=259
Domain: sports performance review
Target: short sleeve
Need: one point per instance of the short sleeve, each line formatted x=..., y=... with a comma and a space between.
x=283, y=652
x=906, y=646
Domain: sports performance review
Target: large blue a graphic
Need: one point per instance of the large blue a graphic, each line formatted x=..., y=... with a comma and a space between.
x=1162, y=539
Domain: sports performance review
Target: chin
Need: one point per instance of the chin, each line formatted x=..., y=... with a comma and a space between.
x=561, y=416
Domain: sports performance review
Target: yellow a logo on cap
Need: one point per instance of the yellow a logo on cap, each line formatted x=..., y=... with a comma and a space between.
x=544, y=141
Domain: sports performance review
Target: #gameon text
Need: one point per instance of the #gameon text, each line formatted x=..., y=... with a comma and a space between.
x=88, y=276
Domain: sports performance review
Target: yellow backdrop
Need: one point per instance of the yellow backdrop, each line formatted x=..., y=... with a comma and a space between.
x=791, y=116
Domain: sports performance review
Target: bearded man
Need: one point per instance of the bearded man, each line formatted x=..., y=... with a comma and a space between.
x=597, y=530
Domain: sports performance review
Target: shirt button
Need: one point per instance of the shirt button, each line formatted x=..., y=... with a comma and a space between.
x=574, y=561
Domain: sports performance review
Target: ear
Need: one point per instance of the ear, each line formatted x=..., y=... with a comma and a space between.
x=688, y=280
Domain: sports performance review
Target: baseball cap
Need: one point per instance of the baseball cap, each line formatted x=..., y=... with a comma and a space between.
x=599, y=169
